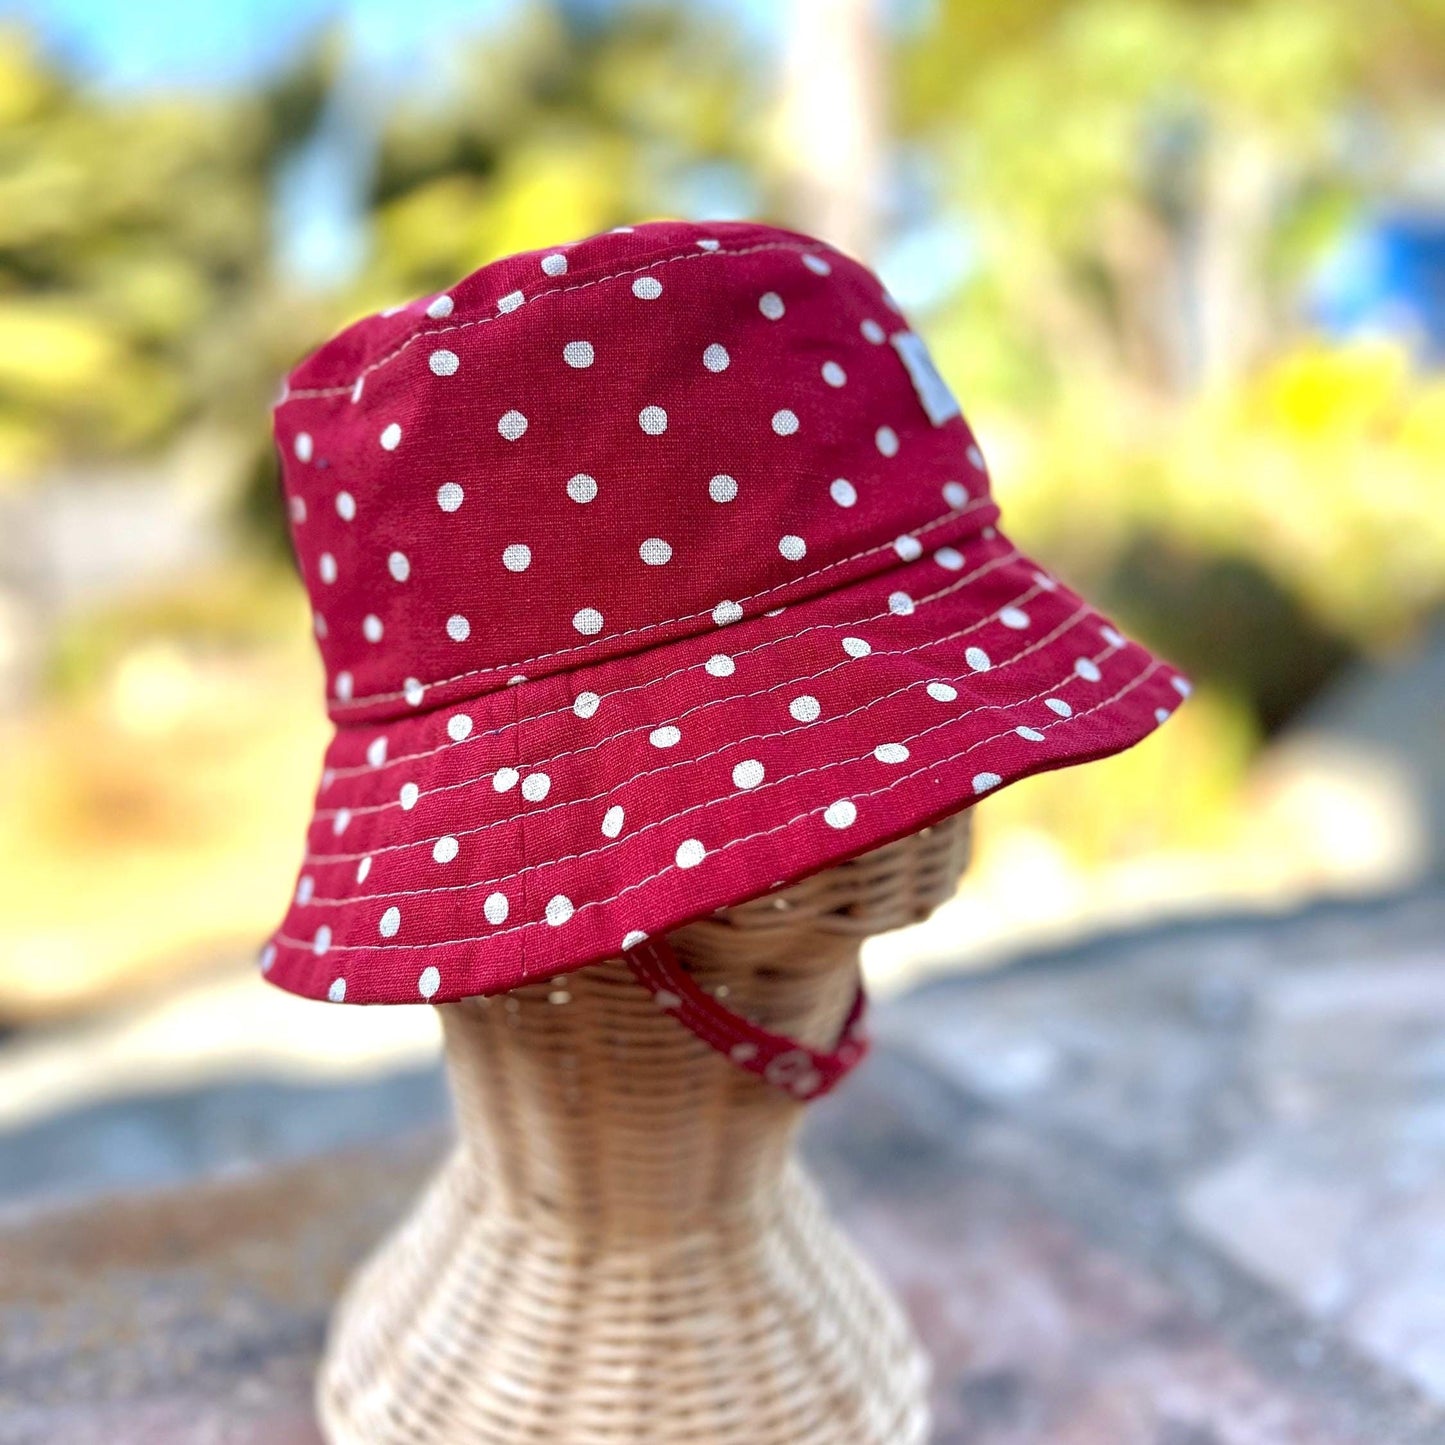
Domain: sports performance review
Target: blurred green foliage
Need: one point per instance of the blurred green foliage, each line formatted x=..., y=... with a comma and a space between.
x=1140, y=185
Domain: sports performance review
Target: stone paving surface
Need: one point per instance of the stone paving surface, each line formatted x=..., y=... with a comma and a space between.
x=1184, y=1189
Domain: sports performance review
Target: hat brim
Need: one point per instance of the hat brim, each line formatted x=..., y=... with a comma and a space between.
x=527, y=833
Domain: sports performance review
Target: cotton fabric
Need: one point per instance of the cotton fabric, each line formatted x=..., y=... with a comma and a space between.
x=650, y=573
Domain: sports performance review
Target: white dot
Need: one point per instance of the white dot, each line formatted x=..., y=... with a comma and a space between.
x=1058, y=705
x=496, y=908
x=343, y=686
x=793, y=548
x=816, y=264
x=1030, y=735
x=326, y=566
x=399, y=565
x=841, y=814
x=459, y=727
x=390, y=923
x=872, y=331
x=1045, y=581
x=1161, y=715
x=554, y=264
x=612, y=821
x=341, y=821
x=856, y=647
x=444, y=850
x=408, y=796
x=785, y=422
x=458, y=628
x=298, y=509
x=805, y=708
x=1014, y=617
x=726, y=612
x=376, y=752
x=982, y=782
x=268, y=957
x=653, y=420
x=1181, y=685
x=363, y=869
x=371, y=628
x=303, y=446
x=444, y=362
x=512, y=424
x=536, y=786
x=449, y=496
x=1087, y=668
x=337, y=992
x=587, y=621
x=1113, y=638
x=690, y=853
x=900, y=604
x=942, y=691
x=949, y=558
x=510, y=301
x=441, y=306
x=582, y=488
x=908, y=548
x=305, y=889
x=748, y=774
x=886, y=440
x=345, y=506
x=834, y=374
x=429, y=982
x=720, y=665
x=771, y=305
x=716, y=357
x=413, y=691
x=391, y=437
x=517, y=557
x=843, y=492
x=319, y=623
x=504, y=778
x=978, y=659
x=559, y=910
x=647, y=288
x=665, y=737
x=578, y=354
x=356, y=389
x=891, y=753
x=975, y=456
x=655, y=552
x=955, y=494
x=322, y=941
x=722, y=488
x=585, y=704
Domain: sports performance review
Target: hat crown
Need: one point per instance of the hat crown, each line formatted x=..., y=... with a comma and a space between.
x=597, y=448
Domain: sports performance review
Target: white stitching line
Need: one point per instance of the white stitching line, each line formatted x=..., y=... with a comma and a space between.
x=364, y=770
x=694, y=255
x=306, y=944
x=1065, y=626
x=948, y=721
x=356, y=770
x=363, y=809
x=986, y=500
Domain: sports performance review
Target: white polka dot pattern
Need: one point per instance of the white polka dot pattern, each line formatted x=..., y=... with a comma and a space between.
x=545, y=742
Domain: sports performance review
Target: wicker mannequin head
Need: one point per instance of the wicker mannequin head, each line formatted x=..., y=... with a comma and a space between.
x=620, y=1249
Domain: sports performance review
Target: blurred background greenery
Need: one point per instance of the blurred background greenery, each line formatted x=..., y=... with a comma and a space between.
x=1183, y=260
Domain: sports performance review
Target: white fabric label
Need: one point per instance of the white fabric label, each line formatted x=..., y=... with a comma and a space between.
x=933, y=393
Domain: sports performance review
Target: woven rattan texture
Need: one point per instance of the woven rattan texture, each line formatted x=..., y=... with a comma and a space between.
x=622, y=1249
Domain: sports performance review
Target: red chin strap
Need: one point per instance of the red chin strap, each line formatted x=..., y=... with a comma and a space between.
x=783, y=1062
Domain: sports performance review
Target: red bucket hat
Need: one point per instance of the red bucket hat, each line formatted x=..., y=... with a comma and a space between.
x=650, y=573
